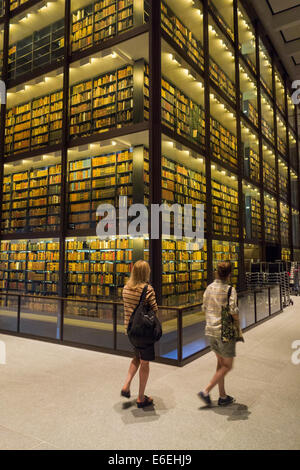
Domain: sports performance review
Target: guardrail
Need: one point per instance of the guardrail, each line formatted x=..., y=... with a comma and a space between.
x=99, y=324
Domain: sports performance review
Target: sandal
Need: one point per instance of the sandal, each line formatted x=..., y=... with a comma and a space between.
x=146, y=402
x=125, y=394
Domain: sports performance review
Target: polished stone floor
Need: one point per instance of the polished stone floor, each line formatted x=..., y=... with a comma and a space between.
x=57, y=397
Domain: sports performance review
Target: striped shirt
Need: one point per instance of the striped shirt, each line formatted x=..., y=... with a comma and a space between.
x=131, y=297
x=214, y=298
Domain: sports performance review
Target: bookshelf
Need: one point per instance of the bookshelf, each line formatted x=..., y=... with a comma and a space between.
x=98, y=268
x=29, y=266
x=269, y=176
x=16, y=3
x=226, y=251
x=41, y=48
x=247, y=39
x=250, y=111
x=220, y=8
x=185, y=39
x=281, y=145
x=35, y=124
x=31, y=200
x=184, y=270
x=225, y=209
x=104, y=19
x=221, y=79
x=283, y=185
x=286, y=254
x=251, y=164
x=223, y=143
x=253, y=218
x=284, y=224
x=271, y=223
x=181, y=114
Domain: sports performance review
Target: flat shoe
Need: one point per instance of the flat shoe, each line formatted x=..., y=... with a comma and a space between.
x=146, y=402
x=125, y=394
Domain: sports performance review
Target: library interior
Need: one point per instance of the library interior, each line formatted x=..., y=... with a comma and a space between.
x=171, y=101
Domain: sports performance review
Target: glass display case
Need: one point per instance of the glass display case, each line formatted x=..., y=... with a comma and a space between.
x=247, y=40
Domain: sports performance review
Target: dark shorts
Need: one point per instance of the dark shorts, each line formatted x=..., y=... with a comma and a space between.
x=223, y=349
x=146, y=354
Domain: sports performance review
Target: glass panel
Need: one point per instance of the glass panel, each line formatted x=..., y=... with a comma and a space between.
x=123, y=343
x=296, y=228
x=283, y=179
x=222, y=60
x=275, y=299
x=30, y=266
x=2, y=7
x=1, y=47
x=280, y=92
x=294, y=189
x=266, y=75
x=252, y=254
x=293, y=149
x=262, y=304
x=40, y=317
x=31, y=195
x=193, y=333
x=8, y=309
x=226, y=251
x=89, y=323
x=252, y=230
x=246, y=309
x=281, y=136
x=249, y=95
x=284, y=224
x=247, y=40
x=271, y=220
x=223, y=9
x=167, y=346
x=291, y=111
x=251, y=153
x=36, y=38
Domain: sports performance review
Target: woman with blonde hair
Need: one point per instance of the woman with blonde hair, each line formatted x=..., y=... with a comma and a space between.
x=139, y=278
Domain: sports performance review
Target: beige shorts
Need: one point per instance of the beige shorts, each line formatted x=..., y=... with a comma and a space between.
x=223, y=349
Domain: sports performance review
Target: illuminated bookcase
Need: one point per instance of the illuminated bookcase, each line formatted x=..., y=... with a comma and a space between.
x=225, y=210
x=31, y=200
x=283, y=186
x=226, y=251
x=250, y=111
x=215, y=8
x=284, y=224
x=37, y=50
x=223, y=143
x=251, y=164
x=286, y=254
x=181, y=114
x=269, y=177
x=253, y=218
x=106, y=102
x=271, y=221
x=34, y=124
x=29, y=266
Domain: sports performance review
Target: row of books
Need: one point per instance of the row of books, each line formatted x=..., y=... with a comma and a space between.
x=223, y=143
x=253, y=222
x=284, y=224
x=226, y=251
x=225, y=210
x=269, y=177
x=271, y=223
x=251, y=164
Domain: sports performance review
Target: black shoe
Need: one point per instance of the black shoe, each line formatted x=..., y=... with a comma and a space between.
x=125, y=394
x=225, y=401
x=205, y=398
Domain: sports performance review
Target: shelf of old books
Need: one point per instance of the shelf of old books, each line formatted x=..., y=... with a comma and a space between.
x=226, y=251
x=286, y=254
x=266, y=75
x=280, y=92
x=283, y=179
x=31, y=195
x=2, y=8
x=267, y=120
x=294, y=189
x=34, y=115
x=16, y=3
x=223, y=132
x=223, y=10
x=248, y=95
x=29, y=266
x=247, y=40
x=271, y=220
x=281, y=136
x=101, y=179
x=98, y=21
x=293, y=149
x=284, y=223
x=225, y=204
x=269, y=168
x=99, y=268
x=253, y=216
x=221, y=61
x=291, y=112
x=191, y=42
x=40, y=48
x=250, y=143
x=296, y=227
x=184, y=270
x=180, y=112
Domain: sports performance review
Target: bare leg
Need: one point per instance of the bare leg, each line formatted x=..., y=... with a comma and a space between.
x=144, y=374
x=133, y=368
x=221, y=383
x=227, y=363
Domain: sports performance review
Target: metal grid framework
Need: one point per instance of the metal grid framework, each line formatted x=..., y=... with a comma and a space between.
x=156, y=128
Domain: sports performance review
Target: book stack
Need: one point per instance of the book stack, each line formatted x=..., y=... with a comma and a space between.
x=225, y=210
x=269, y=177
x=271, y=224
x=223, y=143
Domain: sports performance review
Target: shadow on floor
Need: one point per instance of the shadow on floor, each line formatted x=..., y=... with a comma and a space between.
x=234, y=412
x=130, y=414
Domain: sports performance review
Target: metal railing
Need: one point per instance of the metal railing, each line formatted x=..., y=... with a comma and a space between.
x=99, y=324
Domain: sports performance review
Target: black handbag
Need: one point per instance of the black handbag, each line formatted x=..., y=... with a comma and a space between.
x=229, y=329
x=144, y=328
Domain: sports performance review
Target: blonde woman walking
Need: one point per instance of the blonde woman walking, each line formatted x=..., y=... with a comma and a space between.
x=139, y=278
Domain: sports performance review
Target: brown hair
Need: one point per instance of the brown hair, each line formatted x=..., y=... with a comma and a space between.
x=140, y=274
x=223, y=270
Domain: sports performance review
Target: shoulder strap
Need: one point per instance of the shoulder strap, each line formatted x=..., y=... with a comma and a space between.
x=229, y=295
x=143, y=294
